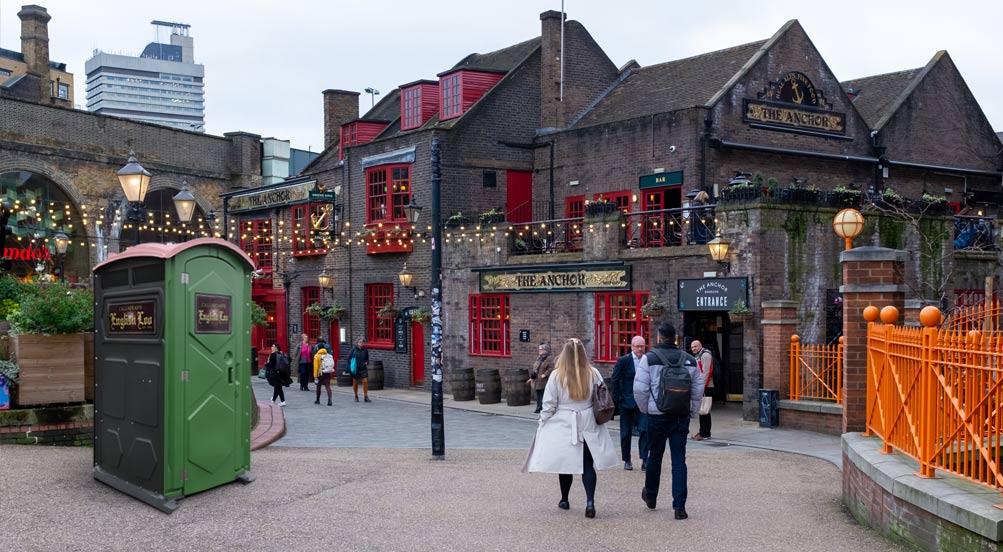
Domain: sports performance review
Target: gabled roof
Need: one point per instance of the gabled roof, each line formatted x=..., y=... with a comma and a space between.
x=502, y=61
x=878, y=97
x=387, y=109
x=672, y=86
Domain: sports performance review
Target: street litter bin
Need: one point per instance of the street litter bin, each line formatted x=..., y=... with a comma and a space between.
x=172, y=401
x=769, y=408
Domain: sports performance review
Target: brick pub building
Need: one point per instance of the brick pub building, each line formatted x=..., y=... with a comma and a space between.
x=764, y=128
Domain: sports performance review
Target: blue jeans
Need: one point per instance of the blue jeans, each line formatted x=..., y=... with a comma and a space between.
x=629, y=417
x=675, y=430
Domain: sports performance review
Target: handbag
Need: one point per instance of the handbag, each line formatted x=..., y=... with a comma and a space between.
x=352, y=367
x=705, y=404
x=602, y=402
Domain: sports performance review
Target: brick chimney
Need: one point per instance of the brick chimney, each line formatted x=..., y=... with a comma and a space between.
x=35, y=46
x=551, y=110
x=340, y=106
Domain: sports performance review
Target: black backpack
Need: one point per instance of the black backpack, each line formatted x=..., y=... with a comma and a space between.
x=674, y=384
x=282, y=364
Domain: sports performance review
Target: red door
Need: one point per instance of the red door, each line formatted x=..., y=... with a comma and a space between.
x=417, y=354
x=334, y=339
x=519, y=190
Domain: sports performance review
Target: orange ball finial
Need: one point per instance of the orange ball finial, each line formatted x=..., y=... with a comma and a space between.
x=795, y=338
x=870, y=313
x=889, y=314
x=930, y=316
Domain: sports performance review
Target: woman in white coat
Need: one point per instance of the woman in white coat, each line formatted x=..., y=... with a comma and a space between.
x=568, y=439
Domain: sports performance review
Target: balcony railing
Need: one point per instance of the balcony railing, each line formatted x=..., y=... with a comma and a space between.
x=670, y=227
x=547, y=236
x=975, y=233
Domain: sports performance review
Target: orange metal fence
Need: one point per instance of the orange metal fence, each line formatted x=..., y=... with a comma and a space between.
x=937, y=395
x=816, y=371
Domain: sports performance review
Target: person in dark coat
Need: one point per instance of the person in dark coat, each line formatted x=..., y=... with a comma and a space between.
x=360, y=355
x=540, y=372
x=275, y=376
x=623, y=393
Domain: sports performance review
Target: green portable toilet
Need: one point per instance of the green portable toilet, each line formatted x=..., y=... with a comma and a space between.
x=172, y=394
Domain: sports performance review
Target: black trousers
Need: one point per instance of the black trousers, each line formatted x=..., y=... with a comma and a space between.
x=539, y=399
x=705, y=418
x=588, y=478
x=278, y=393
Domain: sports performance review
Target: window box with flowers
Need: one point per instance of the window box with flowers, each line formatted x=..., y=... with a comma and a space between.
x=421, y=315
x=740, y=312
x=334, y=312
x=653, y=308
x=494, y=216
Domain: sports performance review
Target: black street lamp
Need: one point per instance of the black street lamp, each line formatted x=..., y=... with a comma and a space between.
x=412, y=212
x=135, y=181
x=61, y=242
x=184, y=202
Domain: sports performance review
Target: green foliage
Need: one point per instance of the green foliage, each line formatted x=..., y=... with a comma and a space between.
x=388, y=311
x=930, y=198
x=56, y=309
x=739, y=308
x=314, y=310
x=10, y=370
x=421, y=315
x=891, y=195
x=259, y=316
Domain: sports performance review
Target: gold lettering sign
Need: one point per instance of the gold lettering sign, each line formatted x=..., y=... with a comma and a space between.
x=792, y=117
x=556, y=280
x=134, y=318
x=212, y=314
x=271, y=198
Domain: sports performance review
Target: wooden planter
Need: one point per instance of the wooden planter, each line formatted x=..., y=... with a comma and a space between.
x=742, y=317
x=52, y=368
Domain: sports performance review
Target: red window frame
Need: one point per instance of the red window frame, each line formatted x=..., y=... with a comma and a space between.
x=379, y=331
x=618, y=318
x=301, y=229
x=490, y=325
x=622, y=199
x=452, y=96
x=411, y=108
x=387, y=185
x=256, y=241
x=311, y=323
x=574, y=207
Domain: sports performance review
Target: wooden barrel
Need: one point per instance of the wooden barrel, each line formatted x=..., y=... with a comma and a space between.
x=515, y=388
x=488, y=386
x=463, y=384
x=343, y=376
x=375, y=375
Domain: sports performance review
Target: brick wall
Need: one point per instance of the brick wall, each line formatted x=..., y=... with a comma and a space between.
x=818, y=422
x=70, y=434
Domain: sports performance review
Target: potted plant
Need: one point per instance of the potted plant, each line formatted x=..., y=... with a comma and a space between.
x=334, y=312
x=314, y=310
x=421, y=315
x=890, y=199
x=494, y=216
x=49, y=334
x=653, y=308
x=930, y=204
x=740, y=312
x=599, y=208
x=388, y=311
x=457, y=219
x=842, y=197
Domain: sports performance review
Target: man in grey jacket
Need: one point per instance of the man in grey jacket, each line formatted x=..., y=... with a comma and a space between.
x=663, y=427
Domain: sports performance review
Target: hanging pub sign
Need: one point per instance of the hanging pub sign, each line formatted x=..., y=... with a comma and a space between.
x=132, y=318
x=551, y=278
x=272, y=197
x=400, y=335
x=712, y=294
x=792, y=103
x=212, y=313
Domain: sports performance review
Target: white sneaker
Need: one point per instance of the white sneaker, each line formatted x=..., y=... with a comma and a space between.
x=283, y=403
x=273, y=401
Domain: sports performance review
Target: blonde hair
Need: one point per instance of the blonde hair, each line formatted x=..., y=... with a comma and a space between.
x=574, y=371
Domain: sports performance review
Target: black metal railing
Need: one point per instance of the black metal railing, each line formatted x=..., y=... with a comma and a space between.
x=546, y=236
x=670, y=227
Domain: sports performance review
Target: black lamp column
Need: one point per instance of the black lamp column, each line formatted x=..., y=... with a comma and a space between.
x=135, y=181
x=61, y=242
x=438, y=425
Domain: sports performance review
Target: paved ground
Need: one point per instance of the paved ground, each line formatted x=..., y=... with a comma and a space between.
x=397, y=499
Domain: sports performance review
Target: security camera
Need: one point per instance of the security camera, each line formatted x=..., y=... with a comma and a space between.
x=672, y=149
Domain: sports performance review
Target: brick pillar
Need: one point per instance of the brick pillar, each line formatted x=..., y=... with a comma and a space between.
x=340, y=107
x=551, y=110
x=35, y=46
x=871, y=276
x=602, y=237
x=780, y=321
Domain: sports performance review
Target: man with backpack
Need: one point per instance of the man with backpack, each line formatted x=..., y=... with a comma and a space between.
x=668, y=387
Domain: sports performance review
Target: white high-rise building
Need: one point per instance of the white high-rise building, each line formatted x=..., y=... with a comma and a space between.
x=163, y=85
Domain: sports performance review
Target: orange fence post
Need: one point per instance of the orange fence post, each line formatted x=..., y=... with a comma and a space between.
x=886, y=393
x=795, y=360
x=926, y=403
x=839, y=371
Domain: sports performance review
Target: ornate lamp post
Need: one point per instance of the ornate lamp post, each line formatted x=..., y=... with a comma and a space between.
x=405, y=278
x=848, y=224
x=719, y=252
x=135, y=181
x=184, y=202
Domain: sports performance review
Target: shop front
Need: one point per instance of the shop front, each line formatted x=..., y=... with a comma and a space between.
x=707, y=305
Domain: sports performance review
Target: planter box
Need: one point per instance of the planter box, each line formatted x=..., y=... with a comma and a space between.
x=52, y=368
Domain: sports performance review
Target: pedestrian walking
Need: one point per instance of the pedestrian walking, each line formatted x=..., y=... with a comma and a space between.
x=358, y=365
x=568, y=439
x=622, y=383
x=306, y=355
x=323, y=369
x=540, y=373
x=277, y=374
x=705, y=361
x=668, y=388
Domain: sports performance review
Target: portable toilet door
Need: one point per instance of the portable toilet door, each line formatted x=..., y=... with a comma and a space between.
x=214, y=333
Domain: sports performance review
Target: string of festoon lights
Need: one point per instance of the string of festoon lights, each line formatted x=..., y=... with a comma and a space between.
x=47, y=226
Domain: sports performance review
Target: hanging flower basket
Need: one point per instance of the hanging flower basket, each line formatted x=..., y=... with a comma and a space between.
x=388, y=311
x=653, y=309
x=421, y=315
x=740, y=312
x=333, y=313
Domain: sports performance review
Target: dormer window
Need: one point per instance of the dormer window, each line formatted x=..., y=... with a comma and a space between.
x=359, y=132
x=419, y=102
x=460, y=89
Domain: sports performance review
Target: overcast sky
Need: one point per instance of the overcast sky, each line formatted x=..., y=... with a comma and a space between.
x=266, y=62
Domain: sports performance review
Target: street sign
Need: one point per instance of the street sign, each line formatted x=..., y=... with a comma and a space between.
x=321, y=197
x=524, y=336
